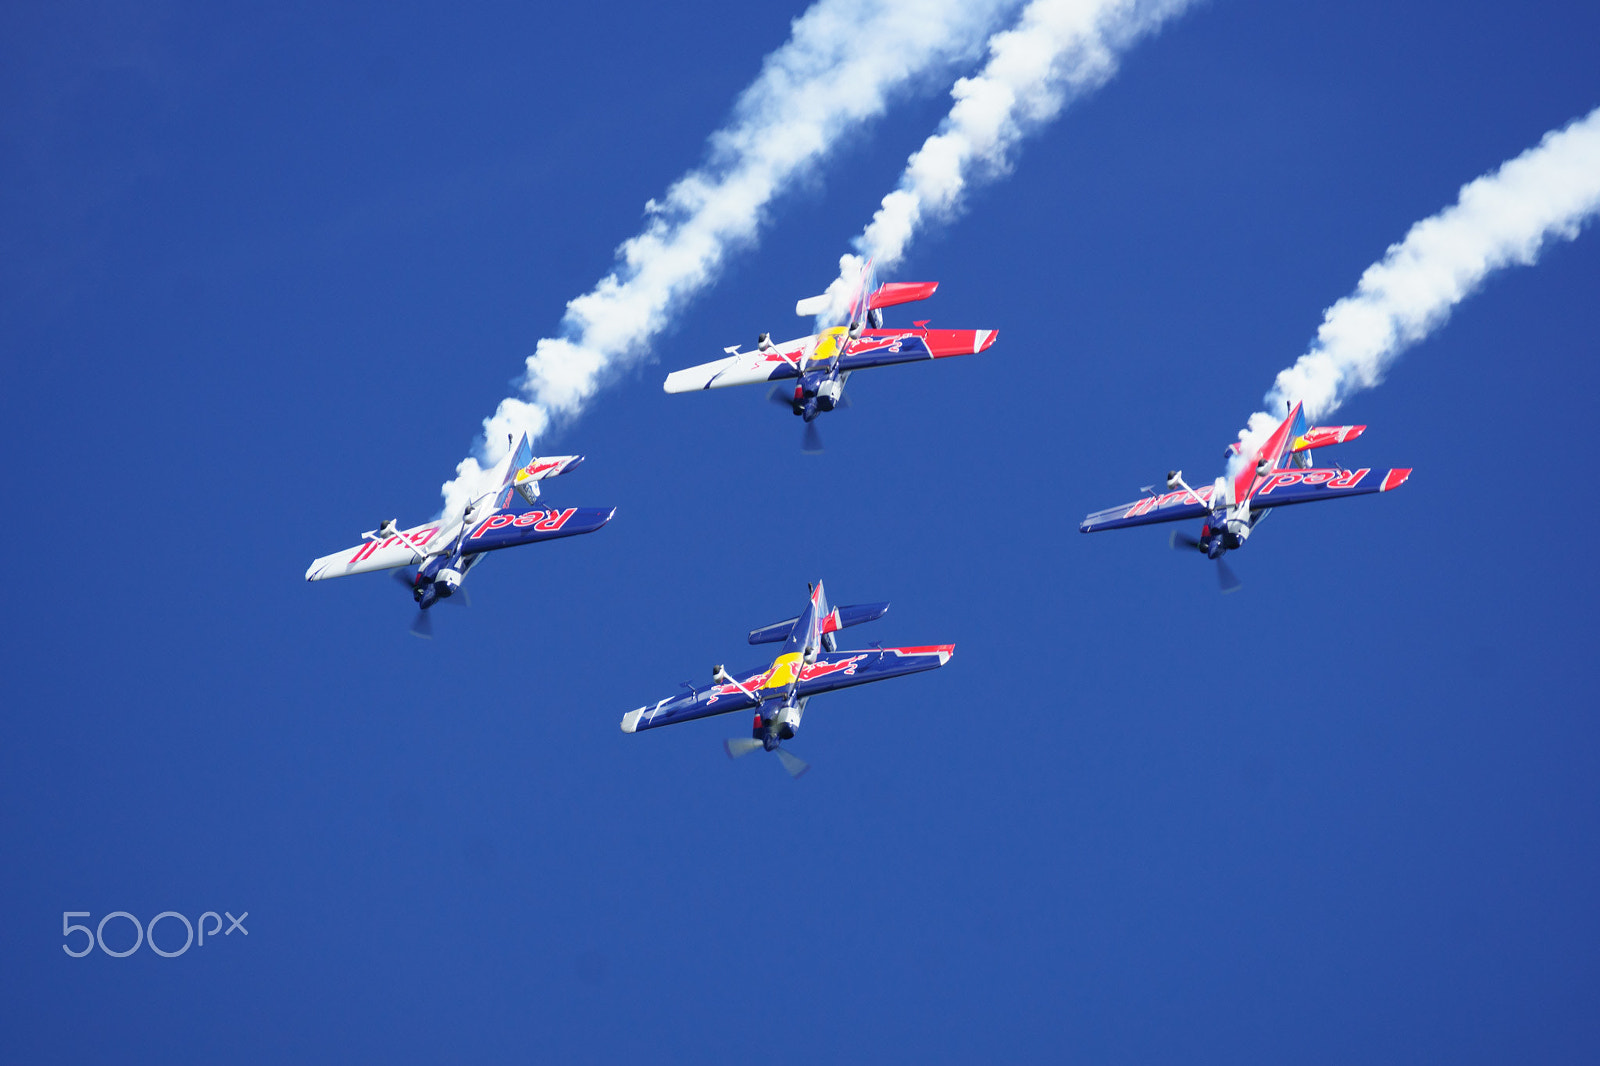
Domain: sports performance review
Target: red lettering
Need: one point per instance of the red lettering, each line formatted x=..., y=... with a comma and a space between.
x=1280, y=477
x=1142, y=507
x=1318, y=477
x=555, y=520
x=1349, y=479
x=528, y=518
x=494, y=522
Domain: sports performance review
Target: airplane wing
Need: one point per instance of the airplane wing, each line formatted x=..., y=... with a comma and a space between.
x=743, y=368
x=832, y=671
x=504, y=529
x=883, y=347
x=1170, y=507
x=1280, y=488
x=384, y=554
x=875, y=347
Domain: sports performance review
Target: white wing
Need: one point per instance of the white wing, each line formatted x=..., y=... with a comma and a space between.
x=401, y=549
x=741, y=368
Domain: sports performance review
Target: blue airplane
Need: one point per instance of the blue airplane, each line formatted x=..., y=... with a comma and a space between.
x=809, y=664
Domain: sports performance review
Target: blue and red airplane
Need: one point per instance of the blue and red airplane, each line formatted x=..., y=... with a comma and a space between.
x=823, y=362
x=1278, y=473
x=443, y=550
x=809, y=664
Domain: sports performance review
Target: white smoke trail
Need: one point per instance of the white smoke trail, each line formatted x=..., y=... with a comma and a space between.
x=1058, y=50
x=1502, y=219
x=844, y=61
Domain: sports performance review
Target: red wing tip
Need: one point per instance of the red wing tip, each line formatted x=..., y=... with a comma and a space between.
x=1394, y=479
x=943, y=651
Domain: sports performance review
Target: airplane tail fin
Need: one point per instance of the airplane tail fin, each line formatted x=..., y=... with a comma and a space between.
x=520, y=458
x=526, y=470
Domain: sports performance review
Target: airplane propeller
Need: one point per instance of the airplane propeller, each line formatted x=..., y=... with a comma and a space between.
x=792, y=763
x=782, y=395
x=1229, y=581
x=422, y=624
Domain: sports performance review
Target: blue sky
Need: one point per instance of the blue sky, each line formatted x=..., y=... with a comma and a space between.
x=265, y=273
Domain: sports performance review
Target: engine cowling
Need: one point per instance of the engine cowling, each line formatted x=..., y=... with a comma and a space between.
x=787, y=720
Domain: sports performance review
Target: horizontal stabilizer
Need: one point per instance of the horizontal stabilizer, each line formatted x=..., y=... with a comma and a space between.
x=845, y=617
x=893, y=293
x=525, y=478
x=837, y=619
x=1322, y=436
x=813, y=305
x=775, y=632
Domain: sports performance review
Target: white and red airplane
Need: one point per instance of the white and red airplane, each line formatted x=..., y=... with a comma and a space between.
x=443, y=550
x=821, y=364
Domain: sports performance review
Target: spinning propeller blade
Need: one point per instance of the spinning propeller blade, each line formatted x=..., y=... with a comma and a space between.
x=811, y=440
x=1225, y=576
x=1181, y=541
x=792, y=763
x=422, y=626
x=781, y=396
x=740, y=746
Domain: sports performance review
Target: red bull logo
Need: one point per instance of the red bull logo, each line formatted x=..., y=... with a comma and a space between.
x=767, y=678
x=534, y=469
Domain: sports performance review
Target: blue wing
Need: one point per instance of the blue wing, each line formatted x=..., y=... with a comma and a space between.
x=505, y=529
x=832, y=671
x=1173, y=507
x=1289, y=486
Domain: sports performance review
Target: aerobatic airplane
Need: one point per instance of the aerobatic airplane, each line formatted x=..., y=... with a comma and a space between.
x=442, y=551
x=809, y=664
x=823, y=362
x=1276, y=474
